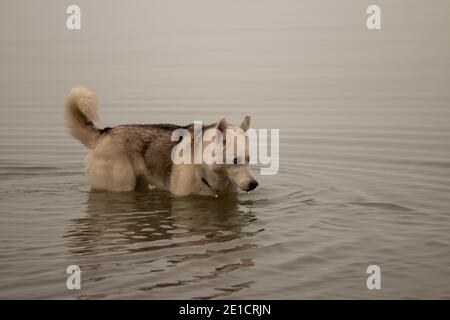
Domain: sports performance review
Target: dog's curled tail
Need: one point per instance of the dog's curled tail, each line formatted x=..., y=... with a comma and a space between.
x=81, y=112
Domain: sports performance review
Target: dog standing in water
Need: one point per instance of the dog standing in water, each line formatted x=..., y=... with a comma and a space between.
x=126, y=157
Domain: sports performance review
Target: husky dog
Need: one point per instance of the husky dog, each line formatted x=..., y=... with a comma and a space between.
x=127, y=157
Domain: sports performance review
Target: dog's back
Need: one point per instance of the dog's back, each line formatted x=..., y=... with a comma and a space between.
x=120, y=157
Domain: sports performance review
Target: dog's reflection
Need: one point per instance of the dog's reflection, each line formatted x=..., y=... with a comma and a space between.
x=140, y=221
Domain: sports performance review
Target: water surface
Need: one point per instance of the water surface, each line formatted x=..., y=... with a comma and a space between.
x=364, y=149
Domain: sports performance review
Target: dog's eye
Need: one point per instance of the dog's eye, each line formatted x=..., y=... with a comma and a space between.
x=235, y=160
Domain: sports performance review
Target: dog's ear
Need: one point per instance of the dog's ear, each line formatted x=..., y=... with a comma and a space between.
x=246, y=123
x=222, y=125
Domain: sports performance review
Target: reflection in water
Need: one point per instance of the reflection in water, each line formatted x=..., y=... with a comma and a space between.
x=146, y=223
x=146, y=217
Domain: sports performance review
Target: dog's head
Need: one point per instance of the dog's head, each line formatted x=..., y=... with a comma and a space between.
x=235, y=152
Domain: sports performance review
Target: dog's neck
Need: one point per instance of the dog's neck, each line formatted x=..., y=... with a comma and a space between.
x=216, y=192
x=204, y=178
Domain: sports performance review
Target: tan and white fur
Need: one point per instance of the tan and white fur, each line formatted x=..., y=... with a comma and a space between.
x=127, y=157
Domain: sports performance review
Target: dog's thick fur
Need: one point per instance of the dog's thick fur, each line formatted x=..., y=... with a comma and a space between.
x=126, y=157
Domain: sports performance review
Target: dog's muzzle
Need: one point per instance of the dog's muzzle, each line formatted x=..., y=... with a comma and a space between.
x=251, y=185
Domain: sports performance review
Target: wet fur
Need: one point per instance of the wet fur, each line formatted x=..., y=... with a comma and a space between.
x=127, y=157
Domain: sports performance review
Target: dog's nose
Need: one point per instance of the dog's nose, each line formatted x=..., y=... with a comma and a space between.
x=252, y=185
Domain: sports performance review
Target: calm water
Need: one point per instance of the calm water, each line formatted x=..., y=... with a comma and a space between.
x=364, y=145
